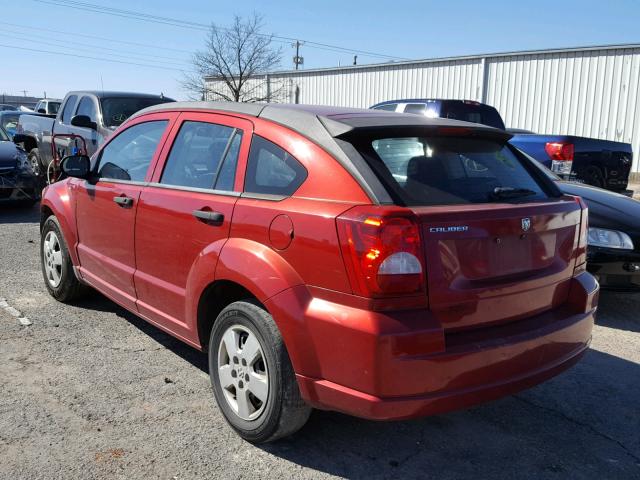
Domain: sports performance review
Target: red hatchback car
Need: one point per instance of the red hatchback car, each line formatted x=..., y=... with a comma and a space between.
x=384, y=265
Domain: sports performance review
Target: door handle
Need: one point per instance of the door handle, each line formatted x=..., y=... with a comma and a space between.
x=123, y=201
x=207, y=216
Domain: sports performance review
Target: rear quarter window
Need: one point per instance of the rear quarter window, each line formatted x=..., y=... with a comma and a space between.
x=272, y=170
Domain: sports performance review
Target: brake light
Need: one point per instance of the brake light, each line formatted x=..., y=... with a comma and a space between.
x=382, y=251
x=561, y=155
x=581, y=254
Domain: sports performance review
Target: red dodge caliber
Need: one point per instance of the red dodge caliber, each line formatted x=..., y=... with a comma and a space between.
x=384, y=265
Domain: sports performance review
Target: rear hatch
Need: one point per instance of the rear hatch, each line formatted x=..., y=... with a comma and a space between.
x=499, y=239
x=487, y=266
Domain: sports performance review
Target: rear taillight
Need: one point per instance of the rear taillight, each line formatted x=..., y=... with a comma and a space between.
x=561, y=155
x=382, y=251
x=581, y=254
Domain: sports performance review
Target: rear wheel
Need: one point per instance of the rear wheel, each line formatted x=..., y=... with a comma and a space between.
x=57, y=268
x=252, y=377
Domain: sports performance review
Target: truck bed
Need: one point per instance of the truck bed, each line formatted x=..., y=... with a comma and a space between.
x=602, y=163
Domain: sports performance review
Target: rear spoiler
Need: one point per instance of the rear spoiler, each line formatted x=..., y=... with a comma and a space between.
x=398, y=124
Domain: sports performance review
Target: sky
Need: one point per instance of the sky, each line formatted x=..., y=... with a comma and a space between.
x=48, y=46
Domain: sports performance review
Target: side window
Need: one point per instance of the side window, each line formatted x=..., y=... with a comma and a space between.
x=199, y=153
x=391, y=107
x=127, y=156
x=68, y=108
x=271, y=170
x=87, y=107
x=416, y=108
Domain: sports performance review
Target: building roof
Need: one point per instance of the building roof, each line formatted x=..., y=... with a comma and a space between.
x=460, y=58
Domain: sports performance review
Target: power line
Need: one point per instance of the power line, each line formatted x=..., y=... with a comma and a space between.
x=74, y=34
x=66, y=54
x=86, y=6
x=62, y=43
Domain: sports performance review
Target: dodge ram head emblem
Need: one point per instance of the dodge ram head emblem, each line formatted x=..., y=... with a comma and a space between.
x=526, y=224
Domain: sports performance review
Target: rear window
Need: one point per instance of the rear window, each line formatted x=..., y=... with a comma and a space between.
x=116, y=110
x=452, y=170
x=470, y=112
x=415, y=108
x=390, y=107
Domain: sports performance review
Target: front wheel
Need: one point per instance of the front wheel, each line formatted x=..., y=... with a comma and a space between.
x=252, y=377
x=57, y=268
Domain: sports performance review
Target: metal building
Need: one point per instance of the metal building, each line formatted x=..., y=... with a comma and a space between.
x=592, y=92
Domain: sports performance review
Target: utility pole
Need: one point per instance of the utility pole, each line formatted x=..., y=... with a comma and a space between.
x=298, y=60
x=355, y=59
x=24, y=92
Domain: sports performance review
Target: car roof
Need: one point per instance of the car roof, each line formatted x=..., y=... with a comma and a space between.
x=112, y=94
x=324, y=125
x=430, y=100
x=317, y=122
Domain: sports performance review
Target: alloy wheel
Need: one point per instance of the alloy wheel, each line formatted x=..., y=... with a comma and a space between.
x=52, y=258
x=242, y=372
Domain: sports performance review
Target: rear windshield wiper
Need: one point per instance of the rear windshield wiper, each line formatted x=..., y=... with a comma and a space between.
x=510, y=192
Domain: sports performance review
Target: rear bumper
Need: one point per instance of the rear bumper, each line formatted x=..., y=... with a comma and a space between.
x=397, y=366
x=616, y=270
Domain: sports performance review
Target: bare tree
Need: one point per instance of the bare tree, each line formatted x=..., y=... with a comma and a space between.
x=235, y=63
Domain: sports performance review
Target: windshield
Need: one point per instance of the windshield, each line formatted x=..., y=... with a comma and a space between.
x=54, y=107
x=116, y=110
x=3, y=136
x=452, y=170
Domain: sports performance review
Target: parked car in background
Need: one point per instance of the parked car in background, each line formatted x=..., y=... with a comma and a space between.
x=17, y=180
x=613, y=244
x=5, y=107
x=49, y=106
x=601, y=163
x=92, y=115
x=9, y=121
x=386, y=266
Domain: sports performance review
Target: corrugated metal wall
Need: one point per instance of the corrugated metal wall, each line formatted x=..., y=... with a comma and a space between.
x=593, y=92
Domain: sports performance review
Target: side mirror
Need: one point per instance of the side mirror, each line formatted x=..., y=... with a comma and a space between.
x=42, y=110
x=78, y=166
x=83, y=121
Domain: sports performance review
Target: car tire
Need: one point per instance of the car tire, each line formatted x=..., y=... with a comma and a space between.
x=245, y=346
x=34, y=160
x=57, y=268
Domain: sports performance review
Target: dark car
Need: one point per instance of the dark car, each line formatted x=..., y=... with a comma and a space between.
x=613, y=242
x=17, y=180
x=382, y=265
x=4, y=107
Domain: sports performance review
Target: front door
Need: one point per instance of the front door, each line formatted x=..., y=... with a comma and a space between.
x=184, y=214
x=106, y=210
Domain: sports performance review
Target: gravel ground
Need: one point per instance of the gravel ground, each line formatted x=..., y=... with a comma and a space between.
x=91, y=391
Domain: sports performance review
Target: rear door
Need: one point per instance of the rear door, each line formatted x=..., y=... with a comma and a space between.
x=184, y=215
